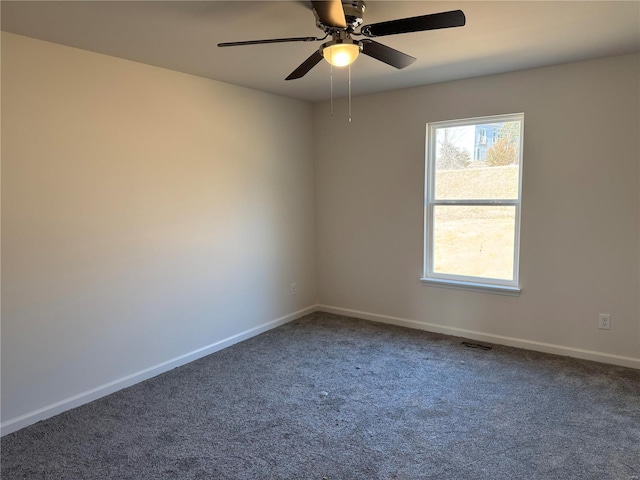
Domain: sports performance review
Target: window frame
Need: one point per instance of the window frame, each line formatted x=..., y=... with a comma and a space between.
x=466, y=282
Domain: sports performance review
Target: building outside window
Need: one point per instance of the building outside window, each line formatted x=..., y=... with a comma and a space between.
x=485, y=137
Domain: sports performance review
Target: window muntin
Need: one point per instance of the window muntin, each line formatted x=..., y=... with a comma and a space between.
x=472, y=201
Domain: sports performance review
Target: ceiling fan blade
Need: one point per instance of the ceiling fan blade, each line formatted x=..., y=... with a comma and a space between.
x=385, y=54
x=331, y=13
x=270, y=40
x=307, y=65
x=433, y=21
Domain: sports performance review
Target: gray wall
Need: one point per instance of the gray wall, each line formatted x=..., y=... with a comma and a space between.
x=146, y=215
x=580, y=211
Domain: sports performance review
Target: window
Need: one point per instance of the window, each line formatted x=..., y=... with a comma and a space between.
x=482, y=136
x=472, y=205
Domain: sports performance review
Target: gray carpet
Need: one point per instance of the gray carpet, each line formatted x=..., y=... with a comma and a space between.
x=330, y=397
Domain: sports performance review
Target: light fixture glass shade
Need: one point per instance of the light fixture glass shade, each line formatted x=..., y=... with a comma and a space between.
x=341, y=54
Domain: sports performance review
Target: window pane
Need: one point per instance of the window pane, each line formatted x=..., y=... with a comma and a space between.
x=474, y=241
x=476, y=162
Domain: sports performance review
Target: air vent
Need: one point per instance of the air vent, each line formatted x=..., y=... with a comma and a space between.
x=476, y=346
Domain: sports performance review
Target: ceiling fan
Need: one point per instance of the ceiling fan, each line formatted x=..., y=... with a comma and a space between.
x=338, y=19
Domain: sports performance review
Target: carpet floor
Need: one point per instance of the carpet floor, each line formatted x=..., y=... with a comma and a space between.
x=336, y=398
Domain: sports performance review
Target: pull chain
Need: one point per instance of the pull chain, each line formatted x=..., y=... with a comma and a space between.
x=349, y=93
x=332, y=92
x=331, y=83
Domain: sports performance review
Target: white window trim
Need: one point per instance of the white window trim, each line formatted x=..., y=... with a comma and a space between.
x=464, y=282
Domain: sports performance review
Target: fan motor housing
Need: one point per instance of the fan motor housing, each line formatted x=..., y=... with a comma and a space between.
x=353, y=15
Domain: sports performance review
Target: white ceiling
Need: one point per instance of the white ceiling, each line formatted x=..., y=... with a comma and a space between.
x=182, y=35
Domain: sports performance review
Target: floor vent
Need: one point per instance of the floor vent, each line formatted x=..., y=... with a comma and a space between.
x=476, y=345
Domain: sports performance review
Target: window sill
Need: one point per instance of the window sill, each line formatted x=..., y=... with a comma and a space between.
x=472, y=287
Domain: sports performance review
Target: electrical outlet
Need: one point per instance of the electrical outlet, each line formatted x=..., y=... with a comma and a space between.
x=604, y=321
x=294, y=289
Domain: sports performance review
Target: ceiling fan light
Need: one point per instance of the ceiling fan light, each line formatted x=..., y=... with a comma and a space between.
x=341, y=54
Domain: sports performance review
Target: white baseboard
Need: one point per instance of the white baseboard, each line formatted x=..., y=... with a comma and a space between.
x=620, y=360
x=95, y=393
